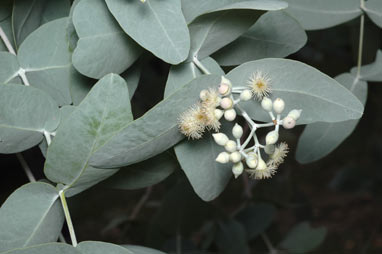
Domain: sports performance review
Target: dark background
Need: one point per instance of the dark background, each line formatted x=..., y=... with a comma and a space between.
x=341, y=192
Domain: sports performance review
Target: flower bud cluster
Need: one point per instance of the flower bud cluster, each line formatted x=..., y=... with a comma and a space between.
x=246, y=154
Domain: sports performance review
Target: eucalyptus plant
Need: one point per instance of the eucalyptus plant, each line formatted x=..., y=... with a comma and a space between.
x=68, y=72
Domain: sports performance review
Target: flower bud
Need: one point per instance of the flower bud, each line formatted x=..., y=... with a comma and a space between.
x=266, y=104
x=278, y=106
x=235, y=157
x=271, y=138
x=223, y=157
x=269, y=149
x=237, y=131
x=246, y=95
x=289, y=122
x=261, y=165
x=230, y=146
x=220, y=138
x=225, y=86
x=295, y=114
x=252, y=161
x=237, y=169
x=226, y=103
x=218, y=113
x=203, y=95
x=230, y=115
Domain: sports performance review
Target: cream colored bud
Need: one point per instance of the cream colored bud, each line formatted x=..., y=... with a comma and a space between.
x=223, y=157
x=235, y=157
x=237, y=131
x=220, y=138
x=271, y=138
x=203, y=95
x=295, y=114
x=261, y=165
x=289, y=122
x=252, y=161
x=230, y=115
x=226, y=103
x=224, y=89
x=278, y=106
x=218, y=113
x=266, y=104
x=237, y=169
x=230, y=146
x=226, y=81
x=269, y=149
x=246, y=95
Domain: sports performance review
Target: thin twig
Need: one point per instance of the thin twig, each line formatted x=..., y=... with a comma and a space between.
x=141, y=203
x=7, y=43
x=68, y=218
x=196, y=61
x=26, y=167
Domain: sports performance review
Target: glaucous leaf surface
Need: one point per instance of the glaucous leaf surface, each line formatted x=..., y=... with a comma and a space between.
x=183, y=73
x=231, y=237
x=302, y=238
x=25, y=113
x=102, y=47
x=132, y=76
x=92, y=247
x=145, y=173
x=104, y=111
x=214, y=30
x=141, y=250
x=373, y=8
x=256, y=218
x=371, y=72
x=158, y=26
x=195, y=8
x=320, y=139
x=197, y=159
x=28, y=15
x=9, y=67
x=320, y=14
x=49, y=248
x=45, y=57
x=321, y=98
x=70, y=29
x=6, y=25
x=275, y=34
x=31, y=215
x=154, y=132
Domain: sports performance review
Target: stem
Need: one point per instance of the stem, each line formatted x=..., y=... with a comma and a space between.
x=4, y=37
x=200, y=65
x=23, y=77
x=47, y=137
x=140, y=204
x=68, y=219
x=26, y=168
x=272, y=250
x=360, y=45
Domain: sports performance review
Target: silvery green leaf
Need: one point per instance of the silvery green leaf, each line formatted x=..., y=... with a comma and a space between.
x=275, y=34
x=49, y=248
x=302, y=238
x=195, y=8
x=31, y=215
x=185, y=72
x=92, y=247
x=141, y=250
x=45, y=57
x=154, y=132
x=197, y=159
x=256, y=218
x=320, y=14
x=27, y=15
x=104, y=111
x=373, y=8
x=6, y=25
x=9, y=67
x=214, y=30
x=371, y=72
x=301, y=86
x=70, y=29
x=102, y=47
x=25, y=113
x=158, y=26
x=231, y=237
x=132, y=76
x=320, y=139
x=145, y=173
